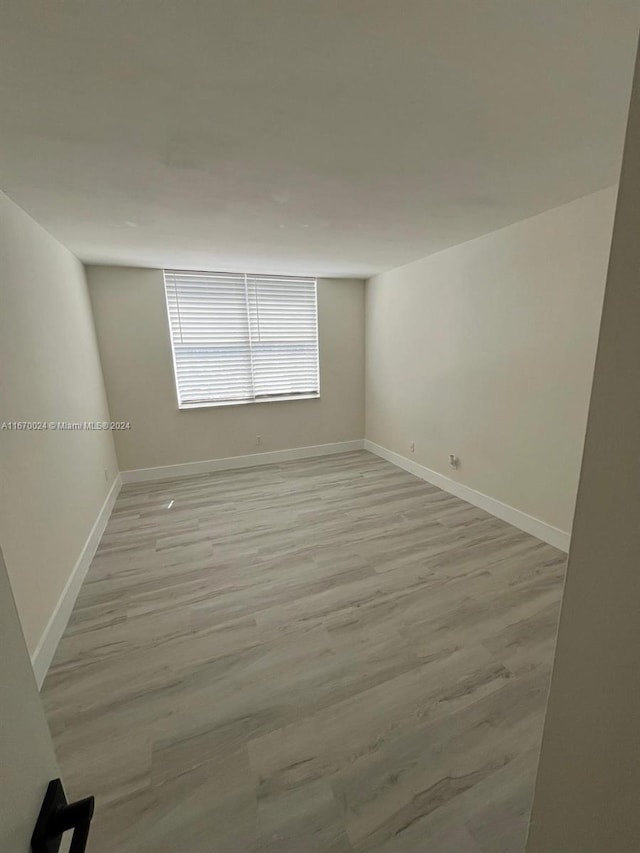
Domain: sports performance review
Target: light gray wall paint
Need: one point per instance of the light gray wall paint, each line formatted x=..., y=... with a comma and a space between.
x=131, y=321
x=486, y=351
x=52, y=483
x=586, y=797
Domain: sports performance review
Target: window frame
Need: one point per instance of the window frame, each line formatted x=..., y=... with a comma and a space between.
x=214, y=404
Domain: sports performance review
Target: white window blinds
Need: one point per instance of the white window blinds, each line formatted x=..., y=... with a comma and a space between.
x=242, y=338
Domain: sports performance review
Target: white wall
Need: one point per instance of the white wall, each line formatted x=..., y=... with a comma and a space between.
x=27, y=760
x=486, y=351
x=133, y=335
x=586, y=797
x=52, y=484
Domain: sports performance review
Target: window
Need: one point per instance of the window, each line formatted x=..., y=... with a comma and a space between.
x=242, y=338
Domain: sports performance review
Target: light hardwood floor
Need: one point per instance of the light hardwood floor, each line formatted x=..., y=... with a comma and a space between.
x=322, y=655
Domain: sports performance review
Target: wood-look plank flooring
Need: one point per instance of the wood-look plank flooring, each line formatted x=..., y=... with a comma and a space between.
x=322, y=656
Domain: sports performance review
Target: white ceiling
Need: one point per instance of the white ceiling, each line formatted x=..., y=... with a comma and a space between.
x=329, y=137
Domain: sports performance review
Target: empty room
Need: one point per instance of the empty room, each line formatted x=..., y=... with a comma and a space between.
x=318, y=426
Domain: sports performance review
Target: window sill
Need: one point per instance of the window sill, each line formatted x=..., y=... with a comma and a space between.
x=189, y=406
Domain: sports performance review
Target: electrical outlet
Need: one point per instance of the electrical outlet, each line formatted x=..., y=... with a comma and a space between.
x=453, y=460
x=258, y=441
x=412, y=446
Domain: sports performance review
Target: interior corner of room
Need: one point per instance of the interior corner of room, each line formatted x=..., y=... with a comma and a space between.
x=461, y=350
x=448, y=340
x=438, y=350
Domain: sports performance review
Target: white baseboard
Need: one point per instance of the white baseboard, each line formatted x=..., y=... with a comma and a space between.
x=540, y=529
x=46, y=648
x=189, y=469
